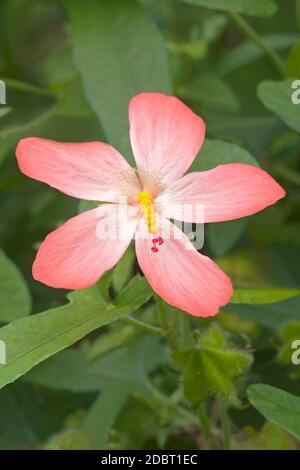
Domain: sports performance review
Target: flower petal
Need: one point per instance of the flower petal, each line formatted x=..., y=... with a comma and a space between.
x=165, y=137
x=92, y=170
x=227, y=192
x=180, y=275
x=80, y=251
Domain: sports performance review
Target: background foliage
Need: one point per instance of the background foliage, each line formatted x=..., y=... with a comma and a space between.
x=112, y=366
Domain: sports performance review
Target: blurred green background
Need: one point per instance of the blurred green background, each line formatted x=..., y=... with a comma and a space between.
x=155, y=378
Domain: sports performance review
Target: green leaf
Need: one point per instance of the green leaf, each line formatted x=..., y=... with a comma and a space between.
x=195, y=50
x=272, y=315
x=87, y=205
x=248, y=7
x=223, y=236
x=137, y=292
x=15, y=300
x=217, y=152
x=211, y=92
x=69, y=439
x=248, y=52
x=18, y=425
x=277, y=97
x=6, y=146
x=29, y=416
x=212, y=367
x=33, y=339
x=298, y=11
x=118, y=53
x=111, y=340
x=116, y=374
x=131, y=374
x=262, y=296
x=270, y=437
x=71, y=370
x=64, y=80
x=123, y=270
x=105, y=410
x=4, y=111
x=278, y=406
x=292, y=68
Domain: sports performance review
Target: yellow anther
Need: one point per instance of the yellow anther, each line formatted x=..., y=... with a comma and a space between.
x=145, y=202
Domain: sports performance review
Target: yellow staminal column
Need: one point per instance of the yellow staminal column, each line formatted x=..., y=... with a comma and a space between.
x=145, y=201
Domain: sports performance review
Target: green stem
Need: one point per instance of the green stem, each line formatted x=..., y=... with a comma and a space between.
x=251, y=33
x=165, y=323
x=204, y=423
x=145, y=326
x=165, y=401
x=27, y=87
x=226, y=428
x=28, y=125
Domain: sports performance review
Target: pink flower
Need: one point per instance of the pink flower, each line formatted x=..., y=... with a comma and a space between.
x=165, y=137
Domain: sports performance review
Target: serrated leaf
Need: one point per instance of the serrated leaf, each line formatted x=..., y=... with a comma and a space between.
x=118, y=53
x=136, y=292
x=212, y=367
x=15, y=300
x=278, y=406
x=248, y=7
x=123, y=270
x=277, y=97
x=33, y=339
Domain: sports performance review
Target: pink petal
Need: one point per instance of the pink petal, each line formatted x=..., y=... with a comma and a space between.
x=92, y=170
x=182, y=276
x=75, y=255
x=165, y=137
x=227, y=192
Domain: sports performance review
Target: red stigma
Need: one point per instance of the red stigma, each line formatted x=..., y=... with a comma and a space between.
x=159, y=241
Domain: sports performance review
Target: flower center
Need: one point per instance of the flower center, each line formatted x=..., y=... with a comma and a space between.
x=145, y=201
